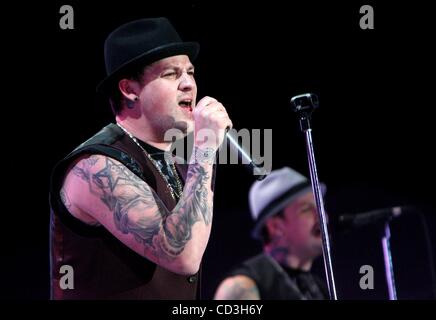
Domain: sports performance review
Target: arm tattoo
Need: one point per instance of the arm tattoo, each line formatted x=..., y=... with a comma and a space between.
x=191, y=208
x=83, y=172
x=161, y=231
x=65, y=200
x=195, y=200
x=241, y=291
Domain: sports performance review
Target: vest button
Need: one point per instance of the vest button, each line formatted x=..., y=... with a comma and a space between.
x=192, y=279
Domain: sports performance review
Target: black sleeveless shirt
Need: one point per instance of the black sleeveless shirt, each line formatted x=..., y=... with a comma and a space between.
x=276, y=282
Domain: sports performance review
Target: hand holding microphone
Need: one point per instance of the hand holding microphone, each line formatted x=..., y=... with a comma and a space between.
x=211, y=123
x=213, y=127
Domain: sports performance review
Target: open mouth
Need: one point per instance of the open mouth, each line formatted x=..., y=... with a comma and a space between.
x=186, y=104
x=316, y=231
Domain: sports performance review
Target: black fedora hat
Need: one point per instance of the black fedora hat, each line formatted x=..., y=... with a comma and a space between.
x=139, y=43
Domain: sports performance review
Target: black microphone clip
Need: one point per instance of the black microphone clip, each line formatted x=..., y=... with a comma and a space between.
x=304, y=104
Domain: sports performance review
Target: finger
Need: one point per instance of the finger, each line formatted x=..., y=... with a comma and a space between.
x=204, y=102
x=223, y=119
x=212, y=108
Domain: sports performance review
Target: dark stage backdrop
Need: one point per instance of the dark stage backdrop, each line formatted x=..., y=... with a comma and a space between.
x=373, y=133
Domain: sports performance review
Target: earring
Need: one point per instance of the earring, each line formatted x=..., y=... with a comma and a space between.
x=130, y=104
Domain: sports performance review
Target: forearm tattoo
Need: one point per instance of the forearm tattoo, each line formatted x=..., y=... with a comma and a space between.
x=163, y=232
x=192, y=207
x=240, y=291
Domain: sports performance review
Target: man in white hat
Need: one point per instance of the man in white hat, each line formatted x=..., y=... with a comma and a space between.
x=286, y=221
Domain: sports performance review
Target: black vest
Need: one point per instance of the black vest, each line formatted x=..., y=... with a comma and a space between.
x=274, y=283
x=104, y=268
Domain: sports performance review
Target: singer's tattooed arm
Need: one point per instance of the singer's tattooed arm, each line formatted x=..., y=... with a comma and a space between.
x=104, y=189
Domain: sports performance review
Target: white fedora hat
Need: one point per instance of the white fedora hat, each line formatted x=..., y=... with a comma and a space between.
x=274, y=193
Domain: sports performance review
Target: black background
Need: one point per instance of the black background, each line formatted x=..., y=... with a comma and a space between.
x=373, y=134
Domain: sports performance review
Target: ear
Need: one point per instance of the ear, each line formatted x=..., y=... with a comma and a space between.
x=128, y=89
x=274, y=226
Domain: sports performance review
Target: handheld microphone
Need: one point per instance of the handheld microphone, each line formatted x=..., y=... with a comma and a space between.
x=259, y=172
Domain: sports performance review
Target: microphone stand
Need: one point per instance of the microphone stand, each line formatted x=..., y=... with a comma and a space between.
x=389, y=269
x=304, y=105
